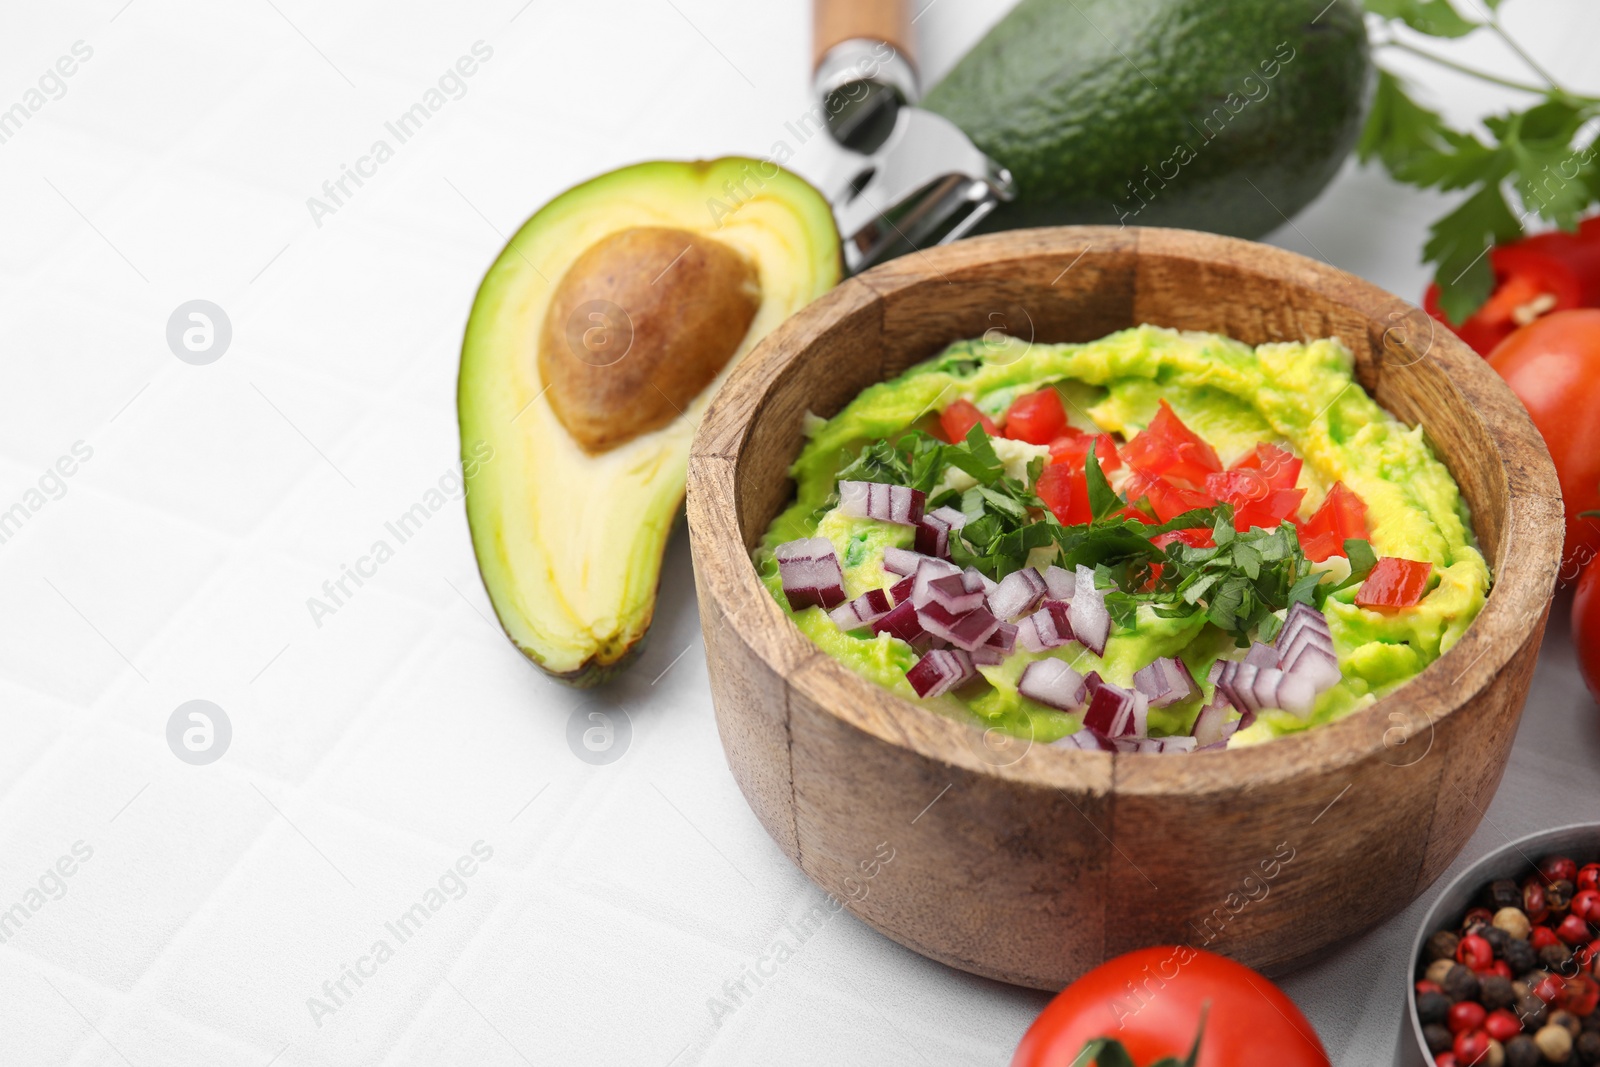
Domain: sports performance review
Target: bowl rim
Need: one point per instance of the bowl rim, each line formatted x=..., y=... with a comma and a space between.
x=1473, y=875
x=1515, y=607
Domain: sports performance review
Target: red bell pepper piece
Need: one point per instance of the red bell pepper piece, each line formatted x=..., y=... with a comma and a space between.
x=1394, y=583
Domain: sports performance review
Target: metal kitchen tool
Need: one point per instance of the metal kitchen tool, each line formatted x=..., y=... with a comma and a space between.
x=919, y=181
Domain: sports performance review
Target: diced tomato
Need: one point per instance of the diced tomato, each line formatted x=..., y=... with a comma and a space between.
x=962, y=416
x=1192, y=538
x=1072, y=447
x=1169, y=449
x=1280, y=468
x=1065, y=491
x=1342, y=516
x=1255, y=502
x=1036, y=417
x=1394, y=583
x=1166, y=499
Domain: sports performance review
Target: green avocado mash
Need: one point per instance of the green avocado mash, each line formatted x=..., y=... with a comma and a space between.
x=1299, y=396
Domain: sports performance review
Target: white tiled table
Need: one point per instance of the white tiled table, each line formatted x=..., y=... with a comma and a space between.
x=372, y=751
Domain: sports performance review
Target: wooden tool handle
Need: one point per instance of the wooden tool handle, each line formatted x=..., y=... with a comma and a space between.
x=834, y=21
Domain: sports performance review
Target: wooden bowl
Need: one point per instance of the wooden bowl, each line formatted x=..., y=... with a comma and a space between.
x=1030, y=863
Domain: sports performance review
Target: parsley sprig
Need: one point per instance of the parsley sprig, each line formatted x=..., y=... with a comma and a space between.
x=1536, y=158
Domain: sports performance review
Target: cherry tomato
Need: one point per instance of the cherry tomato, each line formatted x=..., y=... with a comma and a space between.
x=1586, y=637
x=1394, y=583
x=1065, y=491
x=1169, y=449
x=1072, y=447
x=1036, y=417
x=1247, y=1018
x=1342, y=516
x=961, y=416
x=1553, y=365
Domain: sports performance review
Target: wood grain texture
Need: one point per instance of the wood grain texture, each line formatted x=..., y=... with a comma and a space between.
x=1030, y=863
x=833, y=21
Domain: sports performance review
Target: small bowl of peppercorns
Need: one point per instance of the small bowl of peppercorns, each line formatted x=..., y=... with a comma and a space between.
x=1506, y=968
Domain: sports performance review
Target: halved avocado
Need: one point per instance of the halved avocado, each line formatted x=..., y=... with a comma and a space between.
x=594, y=343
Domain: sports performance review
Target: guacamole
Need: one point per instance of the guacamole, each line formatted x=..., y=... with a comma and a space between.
x=1165, y=444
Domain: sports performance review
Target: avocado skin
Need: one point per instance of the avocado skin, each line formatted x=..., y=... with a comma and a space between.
x=1078, y=97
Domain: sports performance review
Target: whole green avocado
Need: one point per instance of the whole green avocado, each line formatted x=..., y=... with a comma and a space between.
x=1220, y=115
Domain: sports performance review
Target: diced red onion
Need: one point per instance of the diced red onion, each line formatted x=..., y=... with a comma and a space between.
x=935, y=529
x=1028, y=636
x=1059, y=583
x=1165, y=681
x=1166, y=746
x=809, y=571
x=1004, y=639
x=1018, y=593
x=951, y=593
x=1110, y=711
x=1316, y=665
x=1052, y=683
x=988, y=583
x=1301, y=614
x=887, y=503
x=987, y=655
x=927, y=571
x=1261, y=655
x=966, y=631
x=1088, y=741
x=1091, y=622
x=1253, y=689
x=1051, y=626
x=901, y=561
x=1211, y=726
x=903, y=623
x=1141, y=715
x=940, y=671
x=864, y=610
x=901, y=590
x=1304, y=636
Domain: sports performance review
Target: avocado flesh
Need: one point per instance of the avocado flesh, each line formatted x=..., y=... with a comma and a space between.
x=1188, y=113
x=569, y=542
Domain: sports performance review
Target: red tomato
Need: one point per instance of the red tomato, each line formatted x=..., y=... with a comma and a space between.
x=1036, y=417
x=1166, y=499
x=1169, y=449
x=1554, y=367
x=1072, y=447
x=1280, y=468
x=1152, y=1000
x=962, y=416
x=1341, y=517
x=1192, y=538
x=1255, y=502
x=1530, y=281
x=1065, y=491
x=1395, y=583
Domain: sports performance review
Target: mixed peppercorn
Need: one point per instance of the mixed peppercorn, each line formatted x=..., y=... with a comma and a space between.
x=1515, y=984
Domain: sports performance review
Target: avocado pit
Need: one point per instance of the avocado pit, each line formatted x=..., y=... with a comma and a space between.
x=642, y=321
